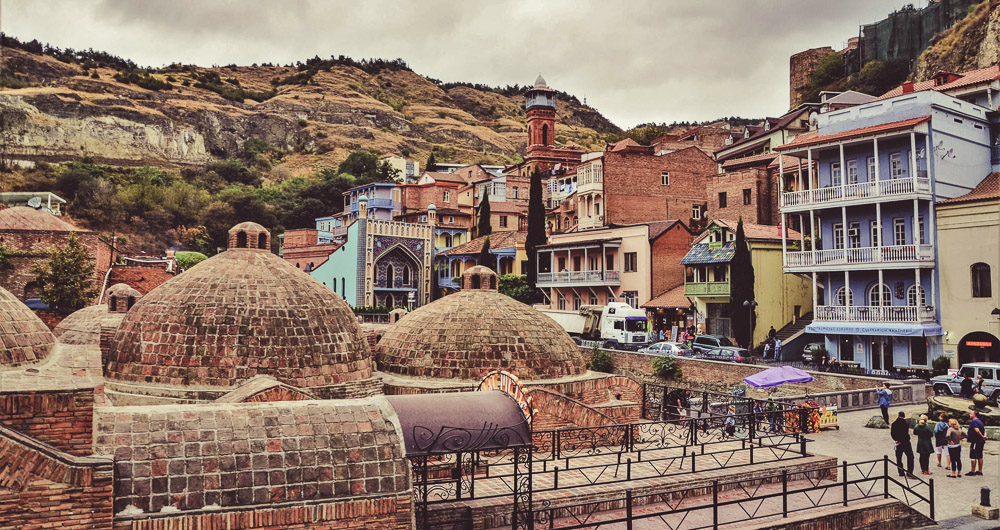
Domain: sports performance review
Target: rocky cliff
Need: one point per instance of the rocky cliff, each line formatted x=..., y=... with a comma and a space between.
x=66, y=111
x=970, y=44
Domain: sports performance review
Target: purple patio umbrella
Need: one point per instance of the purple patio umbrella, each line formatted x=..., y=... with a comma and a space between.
x=777, y=376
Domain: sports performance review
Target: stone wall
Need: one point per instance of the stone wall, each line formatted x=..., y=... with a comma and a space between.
x=46, y=488
x=60, y=418
x=142, y=277
x=801, y=66
x=32, y=247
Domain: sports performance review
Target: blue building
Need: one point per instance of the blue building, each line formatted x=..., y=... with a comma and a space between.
x=865, y=201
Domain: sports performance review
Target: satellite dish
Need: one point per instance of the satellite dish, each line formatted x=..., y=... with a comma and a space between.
x=35, y=202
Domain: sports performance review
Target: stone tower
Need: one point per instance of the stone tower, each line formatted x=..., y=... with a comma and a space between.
x=540, y=106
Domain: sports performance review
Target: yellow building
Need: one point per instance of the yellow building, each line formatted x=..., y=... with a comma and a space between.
x=781, y=298
x=968, y=254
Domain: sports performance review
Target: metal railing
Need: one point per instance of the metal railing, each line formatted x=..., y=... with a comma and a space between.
x=770, y=495
x=860, y=256
x=572, y=277
x=860, y=190
x=875, y=314
x=706, y=288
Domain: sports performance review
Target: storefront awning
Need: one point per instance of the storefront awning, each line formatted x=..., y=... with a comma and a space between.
x=875, y=328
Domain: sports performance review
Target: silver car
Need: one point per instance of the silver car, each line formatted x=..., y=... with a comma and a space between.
x=668, y=348
x=809, y=352
x=952, y=384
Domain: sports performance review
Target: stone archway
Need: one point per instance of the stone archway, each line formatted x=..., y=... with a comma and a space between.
x=406, y=270
x=978, y=347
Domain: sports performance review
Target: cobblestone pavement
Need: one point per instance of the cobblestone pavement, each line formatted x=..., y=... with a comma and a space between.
x=953, y=497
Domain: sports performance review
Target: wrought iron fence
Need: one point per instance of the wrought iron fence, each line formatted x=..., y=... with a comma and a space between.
x=745, y=500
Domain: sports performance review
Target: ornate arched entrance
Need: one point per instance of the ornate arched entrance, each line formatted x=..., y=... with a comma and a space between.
x=978, y=347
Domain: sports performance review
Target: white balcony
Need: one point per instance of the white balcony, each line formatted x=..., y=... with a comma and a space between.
x=848, y=258
x=875, y=314
x=862, y=192
x=578, y=278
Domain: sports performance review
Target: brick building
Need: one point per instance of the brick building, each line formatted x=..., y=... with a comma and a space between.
x=541, y=153
x=748, y=188
x=28, y=234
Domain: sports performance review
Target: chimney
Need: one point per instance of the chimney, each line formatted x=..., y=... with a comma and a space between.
x=908, y=87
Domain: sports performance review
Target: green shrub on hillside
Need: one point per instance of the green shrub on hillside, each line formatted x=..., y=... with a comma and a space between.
x=186, y=260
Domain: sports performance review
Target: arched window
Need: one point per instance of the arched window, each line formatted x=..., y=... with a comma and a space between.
x=447, y=240
x=493, y=282
x=915, y=296
x=845, y=296
x=131, y=302
x=241, y=239
x=545, y=134
x=406, y=275
x=390, y=276
x=262, y=240
x=873, y=295
x=982, y=286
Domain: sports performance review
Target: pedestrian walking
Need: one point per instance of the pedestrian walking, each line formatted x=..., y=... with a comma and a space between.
x=941, y=440
x=925, y=444
x=977, y=439
x=884, y=399
x=777, y=349
x=771, y=333
x=767, y=348
x=955, y=436
x=731, y=421
x=773, y=415
x=900, y=433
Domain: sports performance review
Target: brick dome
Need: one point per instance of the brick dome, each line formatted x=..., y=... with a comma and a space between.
x=238, y=314
x=121, y=297
x=24, y=338
x=82, y=326
x=474, y=331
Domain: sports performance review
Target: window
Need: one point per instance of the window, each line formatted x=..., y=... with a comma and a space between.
x=981, y=282
x=451, y=219
x=406, y=275
x=593, y=299
x=545, y=134
x=447, y=197
x=918, y=351
x=562, y=264
x=920, y=228
x=897, y=171
x=722, y=199
x=845, y=296
x=631, y=298
x=854, y=235
x=838, y=236
x=576, y=263
x=879, y=295
x=871, y=169
x=836, y=175
x=503, y=221
x=631, y=262
x=513, y=192
x=577, y=302
x=390, y=275
x=875, y=234
x=915, y=296
x=695, y=211
x=664, y=178
x=747, y=196
x=423, y=218
x=594, y=264
x=562, y=301
x=899, y=231
x=852, y=171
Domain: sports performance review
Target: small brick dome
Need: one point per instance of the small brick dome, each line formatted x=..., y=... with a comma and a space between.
x=474, y=331
x=121, y=297
x=24, y=338
x=82, y=326
x=249, y=235
x=236, y=315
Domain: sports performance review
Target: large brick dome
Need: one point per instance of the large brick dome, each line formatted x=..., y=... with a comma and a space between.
x=24, y=338
x=238, y=314
x=477, y=330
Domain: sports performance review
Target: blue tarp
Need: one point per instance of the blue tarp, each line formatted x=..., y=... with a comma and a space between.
x=874, y=328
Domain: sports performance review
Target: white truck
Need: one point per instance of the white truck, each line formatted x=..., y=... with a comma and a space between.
x=616, y=325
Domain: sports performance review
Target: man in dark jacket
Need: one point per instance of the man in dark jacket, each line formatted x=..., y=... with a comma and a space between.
x=966, y=387
x=900, y=432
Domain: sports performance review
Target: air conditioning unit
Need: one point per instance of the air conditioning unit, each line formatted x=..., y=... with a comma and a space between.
x=852, y=232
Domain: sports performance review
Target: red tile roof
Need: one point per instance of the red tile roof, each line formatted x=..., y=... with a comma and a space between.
x=983, y=75
x=902, y=125
x=988, y=189
x=764, y=157
x=752, y=231
x=670, y=298
x=27, y=218
x=497, y=240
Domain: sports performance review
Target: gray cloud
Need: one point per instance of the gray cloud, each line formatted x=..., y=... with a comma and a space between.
x=635, y=61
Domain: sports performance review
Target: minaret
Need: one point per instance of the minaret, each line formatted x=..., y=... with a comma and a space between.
x=540, y=107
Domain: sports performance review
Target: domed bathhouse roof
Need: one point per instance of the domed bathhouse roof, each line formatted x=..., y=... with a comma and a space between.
x=24, y=338
x=238, y=314
x=84, y=325
x=27, y=218
x=477, y=330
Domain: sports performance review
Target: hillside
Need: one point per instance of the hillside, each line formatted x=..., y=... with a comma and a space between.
x=970, y=44
x=66, y=111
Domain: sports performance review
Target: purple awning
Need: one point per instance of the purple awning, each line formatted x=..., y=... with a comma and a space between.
x=777, y=376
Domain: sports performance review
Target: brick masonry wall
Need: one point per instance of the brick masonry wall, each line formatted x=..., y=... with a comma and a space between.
x=634, y=192
x=43, y=488
x=667, y=251
x=142, y=278
x=763, y=204
x=62, y=418
x=51, y=318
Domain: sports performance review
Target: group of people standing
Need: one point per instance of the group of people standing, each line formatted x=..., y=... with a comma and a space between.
x=772, y=346
x=944, y=439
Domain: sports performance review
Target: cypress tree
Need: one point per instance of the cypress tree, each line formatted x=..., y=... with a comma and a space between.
x=536, y=227
x=485, y=258
x=431, y=163
x=741, y=285
x=484, y=228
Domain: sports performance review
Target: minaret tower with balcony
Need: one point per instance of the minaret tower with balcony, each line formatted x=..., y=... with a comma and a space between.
x=540, y=107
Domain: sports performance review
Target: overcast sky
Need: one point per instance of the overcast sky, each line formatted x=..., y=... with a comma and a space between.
x=635, y=61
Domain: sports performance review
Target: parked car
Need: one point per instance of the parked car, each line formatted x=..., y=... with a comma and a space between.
x=946, y=385
x=704, y=343
x=808, y=352
x=668, y=348
x=729, y=353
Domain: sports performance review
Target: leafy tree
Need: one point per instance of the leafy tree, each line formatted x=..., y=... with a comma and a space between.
x=186, y=260
x=67, y=280
x=359, y=164
x=235, y=172
x=877, y=77
x=386, y=173
x=741, y=281
x=517, y=287
x=485, y=258
x=484, y=228
x=536, y=227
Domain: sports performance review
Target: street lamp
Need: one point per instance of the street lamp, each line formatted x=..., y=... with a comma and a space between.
x=411, y=299
x=750, y=305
